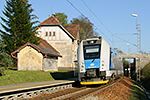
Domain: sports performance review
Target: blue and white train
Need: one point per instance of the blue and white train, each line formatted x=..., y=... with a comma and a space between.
x=97, y=62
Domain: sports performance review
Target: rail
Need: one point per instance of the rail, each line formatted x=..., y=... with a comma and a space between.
x=76, y=93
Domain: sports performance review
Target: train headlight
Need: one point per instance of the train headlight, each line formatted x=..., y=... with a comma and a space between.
x=91, y=42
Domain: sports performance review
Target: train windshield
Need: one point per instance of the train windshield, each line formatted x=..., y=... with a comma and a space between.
x=91, y=52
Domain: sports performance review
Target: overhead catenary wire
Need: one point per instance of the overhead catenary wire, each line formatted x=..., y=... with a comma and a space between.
x=84, y=16
x=102, y=24
x=76, y=8
x=125, y=40
x=97, y=17
x=108, y=29
x=98, y=20
x=126, y=34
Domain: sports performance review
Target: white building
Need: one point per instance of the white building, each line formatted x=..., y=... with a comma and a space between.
x=64, y=38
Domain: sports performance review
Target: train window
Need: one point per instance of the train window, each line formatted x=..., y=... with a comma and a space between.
x=92, y=52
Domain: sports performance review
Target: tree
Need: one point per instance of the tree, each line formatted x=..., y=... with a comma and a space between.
x=5, y=59
x=62, y=18
x=119, y=51
x=125, y=62
x=86, y=27
x=19, y=27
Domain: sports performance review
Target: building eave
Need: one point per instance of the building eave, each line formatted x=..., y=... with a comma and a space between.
x=27, y=44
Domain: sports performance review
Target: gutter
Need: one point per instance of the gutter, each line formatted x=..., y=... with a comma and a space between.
x=15, y=58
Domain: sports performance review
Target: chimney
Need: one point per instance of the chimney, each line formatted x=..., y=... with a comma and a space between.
x=53, y=15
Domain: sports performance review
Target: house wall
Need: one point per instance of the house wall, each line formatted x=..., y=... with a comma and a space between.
x=59, y=33
x=30, y=59
x=50, y=64
x=74, y=53
x=61, y=42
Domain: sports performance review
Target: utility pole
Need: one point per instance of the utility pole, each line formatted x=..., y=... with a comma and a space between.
x=138, y=27
x=139, y=51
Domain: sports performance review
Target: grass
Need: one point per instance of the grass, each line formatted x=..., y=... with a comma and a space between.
x=18, y=77
x=138, y=93
x=146, y=85
x=146, y=77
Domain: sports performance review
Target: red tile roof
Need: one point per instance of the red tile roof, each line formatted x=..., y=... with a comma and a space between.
x=45, y=44
x=72, y=28
x=51, y=21
x=44, y=47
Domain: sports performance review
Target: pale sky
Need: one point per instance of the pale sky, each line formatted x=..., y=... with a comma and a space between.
x=108, y=16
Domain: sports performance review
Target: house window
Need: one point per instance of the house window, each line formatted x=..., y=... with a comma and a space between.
x=49, y=33
x=53, y=33
x=46, y=34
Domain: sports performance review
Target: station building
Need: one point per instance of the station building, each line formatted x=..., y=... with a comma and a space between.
x=37, y=57
x=57, y=49
x=64, y=38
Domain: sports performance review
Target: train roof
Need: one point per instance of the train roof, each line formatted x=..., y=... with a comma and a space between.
x=94, y=38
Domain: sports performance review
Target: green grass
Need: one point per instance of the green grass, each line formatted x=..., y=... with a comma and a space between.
x=146, y=85
x=138, y=93
x=18, y=77
x=146, y=77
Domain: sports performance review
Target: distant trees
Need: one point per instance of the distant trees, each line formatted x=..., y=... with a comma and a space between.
x=119, y=51
x=62, y=17
x=125, y=62
x=18, y=25
x=86, y=27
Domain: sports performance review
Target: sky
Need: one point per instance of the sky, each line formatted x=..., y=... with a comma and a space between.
x=111, y=18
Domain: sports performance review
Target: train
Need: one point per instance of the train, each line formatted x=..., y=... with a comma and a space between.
x=98, y=63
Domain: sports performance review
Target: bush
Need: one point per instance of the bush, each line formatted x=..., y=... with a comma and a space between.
x=146, y=71
x=2, y=71
x=5, y=58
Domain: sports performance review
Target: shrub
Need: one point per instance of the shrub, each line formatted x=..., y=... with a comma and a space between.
x=5, y=59
x=146, y=71
x=2, y=71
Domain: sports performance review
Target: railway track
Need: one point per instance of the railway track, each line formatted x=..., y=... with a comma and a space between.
x=76, y=93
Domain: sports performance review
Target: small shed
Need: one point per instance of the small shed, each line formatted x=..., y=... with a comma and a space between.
x=36, y=57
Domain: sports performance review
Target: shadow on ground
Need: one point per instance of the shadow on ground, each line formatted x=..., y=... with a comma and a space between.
x=62, y=75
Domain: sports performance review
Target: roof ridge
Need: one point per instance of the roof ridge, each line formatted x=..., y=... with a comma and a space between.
x=53, y=16
x=37, y=47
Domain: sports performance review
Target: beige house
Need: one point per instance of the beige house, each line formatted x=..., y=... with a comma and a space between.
x=37, y=57
x=64, y=38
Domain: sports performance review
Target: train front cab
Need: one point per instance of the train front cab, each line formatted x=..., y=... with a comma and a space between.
x=93, y=61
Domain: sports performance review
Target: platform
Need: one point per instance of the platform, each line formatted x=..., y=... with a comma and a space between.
x=27, y=86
